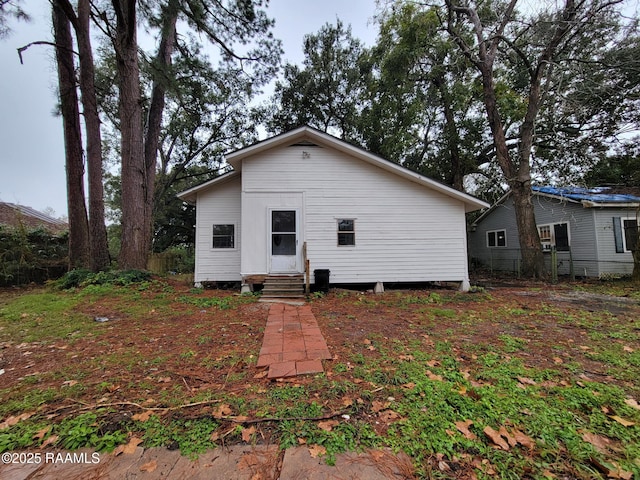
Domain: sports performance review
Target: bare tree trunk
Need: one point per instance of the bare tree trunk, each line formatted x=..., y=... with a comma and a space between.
x=134, y=243
x=100, y=259
x=154, y=120
x=78, y=224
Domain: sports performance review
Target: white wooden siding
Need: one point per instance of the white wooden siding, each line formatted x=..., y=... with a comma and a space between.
x=218, y=205
x=403, y=231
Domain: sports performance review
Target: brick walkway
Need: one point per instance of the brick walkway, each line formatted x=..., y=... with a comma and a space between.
x=293, y=343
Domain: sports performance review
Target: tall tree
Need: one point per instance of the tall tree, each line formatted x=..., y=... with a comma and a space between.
x=423, y=106
x=99, y=258
x=493, y=37
x=328, y=92
x=79, y=252
x=226, y=26
x=135, y=236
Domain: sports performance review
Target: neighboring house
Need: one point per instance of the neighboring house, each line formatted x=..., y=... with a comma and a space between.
x=308, y=196
x=18, y=216
x=592, y=230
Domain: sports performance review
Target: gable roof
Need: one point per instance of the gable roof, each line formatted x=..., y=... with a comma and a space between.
x=603, y=197
x=14, y=215
x=314, y=136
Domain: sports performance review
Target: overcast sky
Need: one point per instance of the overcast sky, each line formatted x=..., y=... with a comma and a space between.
x=31, y=142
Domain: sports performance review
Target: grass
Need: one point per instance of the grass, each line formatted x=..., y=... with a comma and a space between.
x=427, y=373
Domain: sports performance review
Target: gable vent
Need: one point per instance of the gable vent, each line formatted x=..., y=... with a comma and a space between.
x=304, y=143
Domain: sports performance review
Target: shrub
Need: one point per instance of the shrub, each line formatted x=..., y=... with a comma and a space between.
x=34, y=255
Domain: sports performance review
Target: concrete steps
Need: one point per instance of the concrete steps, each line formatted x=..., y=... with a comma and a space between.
x=283, y=286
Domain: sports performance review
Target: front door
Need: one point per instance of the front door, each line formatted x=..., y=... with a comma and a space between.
x=284, y=241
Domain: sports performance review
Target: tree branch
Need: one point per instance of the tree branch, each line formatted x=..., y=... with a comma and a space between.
x=42, y=42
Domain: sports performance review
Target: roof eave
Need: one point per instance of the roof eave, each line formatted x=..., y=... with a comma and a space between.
x=590, y=204
x=190, y=195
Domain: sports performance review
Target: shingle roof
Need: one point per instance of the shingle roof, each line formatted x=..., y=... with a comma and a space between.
x=14, y=215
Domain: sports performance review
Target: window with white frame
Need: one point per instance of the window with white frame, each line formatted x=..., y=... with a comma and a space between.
x=497, y=238
x=346, y=232
x=223, y=236
x=554, y=235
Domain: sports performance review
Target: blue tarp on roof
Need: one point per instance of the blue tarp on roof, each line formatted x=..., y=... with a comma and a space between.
x=595, y=195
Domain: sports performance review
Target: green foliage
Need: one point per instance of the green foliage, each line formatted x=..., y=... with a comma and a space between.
x=31, y=255
x=190, y=436
x=223, y=303
x=84, y=278
x=85, y=431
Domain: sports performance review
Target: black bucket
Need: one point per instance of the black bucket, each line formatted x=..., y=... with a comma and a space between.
x=322, y=280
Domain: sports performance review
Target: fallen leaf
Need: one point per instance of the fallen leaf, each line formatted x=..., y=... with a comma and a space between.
x=142, y=417
x=408, y=358
x=302, y=441
x=409, y=386
x=223, y=410
x=433, y=376
x=129, y=448
x=367, y=341
x=626, y=348
x=507, y=436
x=622, y=421
x=526, y=381
x=164, y=379
x=41, y=433
x=51, y=440
x=247, y=433
x=496, y=438
x=463, y=428
x=524, y=440
x=260, y=374
x=388, y=416
x=433, y=363
x=149, y=466
x=328, y=425
x=632, y=403
x=377, y=406
x=557, y=360
x=600, y=443
x=316, y=450
x=347, y=402
x=10, y=421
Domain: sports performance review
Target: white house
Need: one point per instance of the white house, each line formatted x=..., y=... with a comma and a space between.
x=305, y=200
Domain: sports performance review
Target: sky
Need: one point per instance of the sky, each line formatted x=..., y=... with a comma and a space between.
x=32, y=169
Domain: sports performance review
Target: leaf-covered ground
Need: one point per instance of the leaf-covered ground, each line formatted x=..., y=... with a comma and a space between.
x=524, y=381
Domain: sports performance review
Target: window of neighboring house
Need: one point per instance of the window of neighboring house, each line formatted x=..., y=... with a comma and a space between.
x=554, y=235
x=346, y=232
x=223, y=236
x=630, y=227
x=497, y=238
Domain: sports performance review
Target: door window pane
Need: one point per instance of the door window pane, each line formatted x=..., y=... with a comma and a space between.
x=283, y=244
x=283, y=221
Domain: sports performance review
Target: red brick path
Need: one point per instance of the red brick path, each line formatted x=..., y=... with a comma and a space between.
x=293, y=343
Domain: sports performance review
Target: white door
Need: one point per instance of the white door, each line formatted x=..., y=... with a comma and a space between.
x=284, y=241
